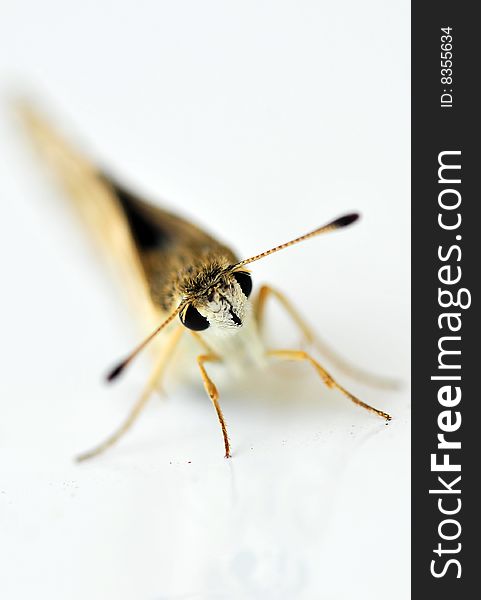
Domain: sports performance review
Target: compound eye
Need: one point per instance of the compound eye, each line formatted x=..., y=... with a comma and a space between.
x=245, y=282
x=192, y=319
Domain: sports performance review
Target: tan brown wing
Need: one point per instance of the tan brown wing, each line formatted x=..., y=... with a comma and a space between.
x=97, y=206
x=146, y=244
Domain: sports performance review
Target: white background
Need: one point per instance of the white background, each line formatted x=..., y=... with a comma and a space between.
x=260, y=120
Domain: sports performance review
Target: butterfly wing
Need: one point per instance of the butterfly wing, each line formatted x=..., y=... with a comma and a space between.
x=145, y=244
x=96, y=205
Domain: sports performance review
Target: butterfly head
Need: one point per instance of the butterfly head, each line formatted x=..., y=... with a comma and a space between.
x=217, y=300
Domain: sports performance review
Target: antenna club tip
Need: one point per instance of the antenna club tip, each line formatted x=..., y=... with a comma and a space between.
x=114, y=373
x=346, y=220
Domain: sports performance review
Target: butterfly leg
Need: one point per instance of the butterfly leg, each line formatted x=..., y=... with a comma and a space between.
x=141, y=402
x=300, y=355
x=352, y=371
x=211, y=389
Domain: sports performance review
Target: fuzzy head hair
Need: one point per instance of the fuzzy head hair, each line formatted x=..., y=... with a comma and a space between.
x=215, y=296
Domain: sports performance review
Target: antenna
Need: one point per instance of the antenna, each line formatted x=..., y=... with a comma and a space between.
x=117, y=370
x=343, y=221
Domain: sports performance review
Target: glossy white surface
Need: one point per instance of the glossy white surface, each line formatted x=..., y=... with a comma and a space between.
x=260, y=121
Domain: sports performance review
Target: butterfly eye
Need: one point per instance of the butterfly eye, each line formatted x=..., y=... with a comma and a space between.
x=245, y=282
x=192, y=319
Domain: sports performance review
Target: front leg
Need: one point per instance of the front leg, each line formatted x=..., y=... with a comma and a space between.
x=329, y=381
x=162, y=361
x=211, y=389
x=267, y=291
